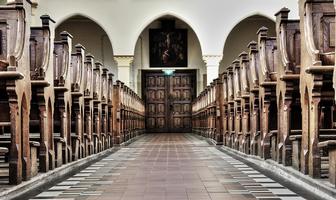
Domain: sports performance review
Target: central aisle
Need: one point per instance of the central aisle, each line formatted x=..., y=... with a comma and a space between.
x=168, y=166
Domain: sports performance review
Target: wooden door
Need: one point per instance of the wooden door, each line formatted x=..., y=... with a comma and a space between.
x=168, y=100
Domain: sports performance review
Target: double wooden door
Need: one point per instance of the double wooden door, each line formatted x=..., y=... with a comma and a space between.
x=168, y=100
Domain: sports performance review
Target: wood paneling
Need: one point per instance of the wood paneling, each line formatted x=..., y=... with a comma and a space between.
x=168, y=100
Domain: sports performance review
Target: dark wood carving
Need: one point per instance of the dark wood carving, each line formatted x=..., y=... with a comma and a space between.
x=168, y=101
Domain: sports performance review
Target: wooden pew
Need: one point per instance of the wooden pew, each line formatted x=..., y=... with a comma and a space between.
x=245, y=102
x=104, y=108
x=88, y=104
x=267, y=92
x=225, y=109
x=317, y=65
x=288, y=92
x=211, y=111
x=15, y=86
x=110, y=111
x=125, y=104
x=97, y=108
x=238, y=136
x=41, y=106
x=253, y=69
x=116, y=113
x=219, y=111
x=62, y=89
x=77, y=100
x=231, y=116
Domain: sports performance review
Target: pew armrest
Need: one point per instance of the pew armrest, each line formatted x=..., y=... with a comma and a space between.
x=34, y=144
x=59, y=139
x=295, y=137
x=273, y=133
x=258, y=133
x=327, y=144
x=74, y=136
x=3, y=150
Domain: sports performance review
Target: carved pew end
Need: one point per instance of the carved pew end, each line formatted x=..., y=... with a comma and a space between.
x=330, y=145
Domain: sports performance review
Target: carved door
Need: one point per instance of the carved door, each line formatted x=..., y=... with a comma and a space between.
x=168, y=100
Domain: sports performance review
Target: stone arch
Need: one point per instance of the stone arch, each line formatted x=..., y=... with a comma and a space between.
x=241, y=34
x=91, y=34
x=141, y=51
x=162, y=15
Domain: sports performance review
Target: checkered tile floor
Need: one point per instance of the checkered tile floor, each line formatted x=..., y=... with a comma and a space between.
x=168, y=167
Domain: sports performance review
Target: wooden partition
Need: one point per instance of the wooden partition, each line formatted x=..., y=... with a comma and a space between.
x=128, y=113
x=58, y=104
x=15, y=88
x=279, y=98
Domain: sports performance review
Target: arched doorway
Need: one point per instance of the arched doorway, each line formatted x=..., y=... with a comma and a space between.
x=168, y=71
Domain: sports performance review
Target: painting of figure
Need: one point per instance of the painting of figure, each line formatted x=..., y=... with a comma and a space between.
x=168, y=48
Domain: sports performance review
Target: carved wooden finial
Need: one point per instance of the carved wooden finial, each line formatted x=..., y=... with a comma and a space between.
x=252, y=46
x=262, y=32
x=65, y=35
x=283, y=13
x=79, y=47
x=243, y=57
x=235, y=64
x=46, y=20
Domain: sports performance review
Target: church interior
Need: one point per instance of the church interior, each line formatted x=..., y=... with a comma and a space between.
x=167, y=100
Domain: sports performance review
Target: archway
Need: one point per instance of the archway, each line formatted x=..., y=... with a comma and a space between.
x=142, y=54
x=92, y=36
x=241, y=34
x=168, y=70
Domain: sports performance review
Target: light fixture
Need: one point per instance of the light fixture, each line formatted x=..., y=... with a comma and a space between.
x=168, y=72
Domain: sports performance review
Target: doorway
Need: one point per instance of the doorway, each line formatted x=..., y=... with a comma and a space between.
x=168, y=100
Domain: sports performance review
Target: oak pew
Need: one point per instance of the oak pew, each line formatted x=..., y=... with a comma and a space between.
x=237, y=139
x=211, y=111
x=225, y=109
x=231, y=116
x=267, y=93
x=15, y=88
x=104, y=108
x=42, y=105
x=110, y=111
x=97, y=108
x=219, y=111
x=125, y=104
x=317, y=25
x=253, y=69
x=288, y=92
x=245, y=103
x=62, y=90
x=77, y=100
x=88, y=104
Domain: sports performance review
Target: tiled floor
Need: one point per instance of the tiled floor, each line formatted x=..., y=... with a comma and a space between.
x=169, y=166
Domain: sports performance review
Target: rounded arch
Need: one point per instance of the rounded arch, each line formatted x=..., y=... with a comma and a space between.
x=242, y=32
x=142, y=51
x=71, y=15
x=91, y=34
x=156, y=17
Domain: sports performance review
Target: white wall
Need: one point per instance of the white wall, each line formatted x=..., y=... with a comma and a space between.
x=124, y=20
x=141, y=55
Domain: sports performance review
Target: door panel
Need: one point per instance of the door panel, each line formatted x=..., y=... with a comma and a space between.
x=168, y=100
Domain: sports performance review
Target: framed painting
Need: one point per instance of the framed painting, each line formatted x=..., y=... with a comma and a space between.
x=168, y=48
